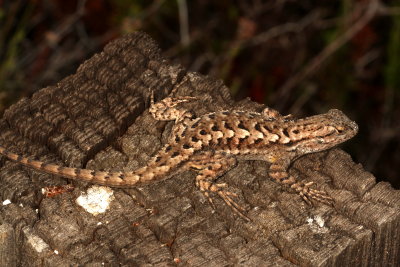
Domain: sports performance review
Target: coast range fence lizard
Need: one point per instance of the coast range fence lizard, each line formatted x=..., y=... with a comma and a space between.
x=212, y=143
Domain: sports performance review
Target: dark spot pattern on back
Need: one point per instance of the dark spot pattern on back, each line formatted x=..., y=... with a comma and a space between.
x=194, y=125
x=257, y=141
x=219, y=140
x=203, y=132
x=290, y=143
x=241, y=126
x=215, y=128
x=285, y=132
x=242, y=140
x=175, y=154
x=228, y=126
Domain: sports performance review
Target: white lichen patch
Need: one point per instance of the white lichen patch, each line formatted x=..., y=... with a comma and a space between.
x=6, y=202
x=319, y=221
x=317, y=224
x=97, y=199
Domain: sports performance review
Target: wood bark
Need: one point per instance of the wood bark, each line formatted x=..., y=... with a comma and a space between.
x=98, y=119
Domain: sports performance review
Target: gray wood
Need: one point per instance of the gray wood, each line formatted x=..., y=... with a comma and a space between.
x=97, y=119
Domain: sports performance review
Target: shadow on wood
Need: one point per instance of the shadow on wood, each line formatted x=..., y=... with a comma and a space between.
x=97, y=118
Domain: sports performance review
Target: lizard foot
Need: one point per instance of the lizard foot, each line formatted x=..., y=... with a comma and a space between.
x=227, y=198
x=308, y=194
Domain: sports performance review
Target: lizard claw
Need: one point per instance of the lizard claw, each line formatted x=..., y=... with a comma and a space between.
x=209, y=198
x=225, y=195
x=227, y=198
x=309, y=194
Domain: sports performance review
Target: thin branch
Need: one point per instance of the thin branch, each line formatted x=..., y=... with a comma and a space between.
x=183, y=23
x=372, y=9
x=285, y=28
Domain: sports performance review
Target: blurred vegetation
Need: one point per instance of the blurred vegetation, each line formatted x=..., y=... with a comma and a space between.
x=301, y=57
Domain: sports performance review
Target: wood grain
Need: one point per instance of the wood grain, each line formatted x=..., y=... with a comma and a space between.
x=97, y=118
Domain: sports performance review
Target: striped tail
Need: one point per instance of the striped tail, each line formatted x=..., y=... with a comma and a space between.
x=138, y=177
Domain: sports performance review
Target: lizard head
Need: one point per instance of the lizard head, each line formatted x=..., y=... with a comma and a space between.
x=320, y=132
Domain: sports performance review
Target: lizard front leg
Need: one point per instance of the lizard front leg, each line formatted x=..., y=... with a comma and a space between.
x=212, y=165
x=278, y=171
x=166, y=110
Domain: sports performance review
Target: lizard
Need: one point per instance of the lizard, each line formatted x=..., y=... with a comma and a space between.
x=212, y=144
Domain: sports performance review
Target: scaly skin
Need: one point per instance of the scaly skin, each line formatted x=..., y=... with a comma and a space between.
x=212, y=144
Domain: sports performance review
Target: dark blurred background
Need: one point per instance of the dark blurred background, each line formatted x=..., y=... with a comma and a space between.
x=300, y=57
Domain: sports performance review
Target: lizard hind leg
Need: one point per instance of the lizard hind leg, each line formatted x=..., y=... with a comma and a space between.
x=211, y=166
x=279, y=173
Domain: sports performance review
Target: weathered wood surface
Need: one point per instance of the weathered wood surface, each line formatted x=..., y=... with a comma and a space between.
x=97, y=118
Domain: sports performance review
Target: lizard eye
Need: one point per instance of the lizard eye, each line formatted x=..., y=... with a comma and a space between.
x=340, y=129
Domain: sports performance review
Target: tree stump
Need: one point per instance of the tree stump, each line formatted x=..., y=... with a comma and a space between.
x=98, y=119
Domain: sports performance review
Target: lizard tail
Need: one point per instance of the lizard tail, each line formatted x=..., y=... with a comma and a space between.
x=138, y=177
